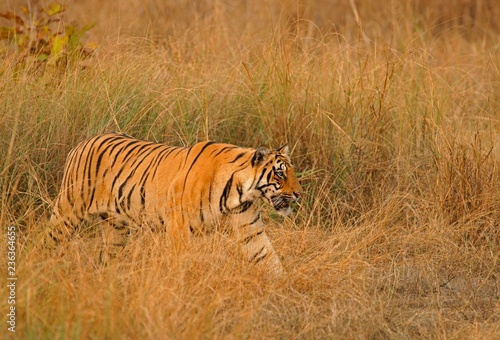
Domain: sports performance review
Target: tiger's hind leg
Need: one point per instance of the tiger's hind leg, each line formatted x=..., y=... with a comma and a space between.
x=115, y=233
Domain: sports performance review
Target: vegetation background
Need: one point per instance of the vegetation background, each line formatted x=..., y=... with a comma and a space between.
x=392, y=112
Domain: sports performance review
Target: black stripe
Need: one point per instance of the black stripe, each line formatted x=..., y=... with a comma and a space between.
x=101, y=153
x=81, y=152
x=225, y=193
x=104, y=143
x=129, y=196
x=144, y=178
x=145, y=173
x=194, y=161
x=224, y=149
x=87, y=174
x=257, y=253
x=261, y=175
x=261, y=258
x=92, y=195
x=268, y=178
x=76, y=167
x=125, y=150
x=210, y=192
x=98, y=163
x=134, y=165
x=242, y=207
x=239, y=188
x=143, y=196
x=162, y=157
x=238, y=157
x=129, y=149
x=122, y=165
x=187, y=155
x=202, y=218
x=117, y=208
x=122, y=226
x=247, y=239
x=119, y=144
x=275, y=185
x=255, y=220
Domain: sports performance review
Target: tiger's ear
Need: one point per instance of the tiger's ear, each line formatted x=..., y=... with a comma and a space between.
x=260, y=155
x=284, y=150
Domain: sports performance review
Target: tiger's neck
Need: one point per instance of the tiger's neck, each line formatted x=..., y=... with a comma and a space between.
x=238, y=195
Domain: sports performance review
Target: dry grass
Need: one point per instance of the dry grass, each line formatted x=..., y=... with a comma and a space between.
x=393, y=115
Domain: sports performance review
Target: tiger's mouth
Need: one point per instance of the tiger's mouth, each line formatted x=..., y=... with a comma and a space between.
x=282, y=204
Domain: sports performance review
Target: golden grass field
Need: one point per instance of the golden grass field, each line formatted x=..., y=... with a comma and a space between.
x=392, y=113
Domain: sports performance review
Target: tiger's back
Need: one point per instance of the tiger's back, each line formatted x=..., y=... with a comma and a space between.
x=186, y=190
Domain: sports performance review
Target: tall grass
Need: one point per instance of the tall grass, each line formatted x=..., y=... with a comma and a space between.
x=392, y=113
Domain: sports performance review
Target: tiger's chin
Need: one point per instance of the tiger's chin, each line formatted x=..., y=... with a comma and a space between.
x=284, y=212
x=282, y=204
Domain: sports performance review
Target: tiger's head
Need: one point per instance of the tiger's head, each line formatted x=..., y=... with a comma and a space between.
x=276, y=179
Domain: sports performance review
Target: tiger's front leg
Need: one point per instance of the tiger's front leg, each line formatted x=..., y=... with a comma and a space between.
x=255, y=245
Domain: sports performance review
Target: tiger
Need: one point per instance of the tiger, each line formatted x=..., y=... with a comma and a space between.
x=187, y=190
